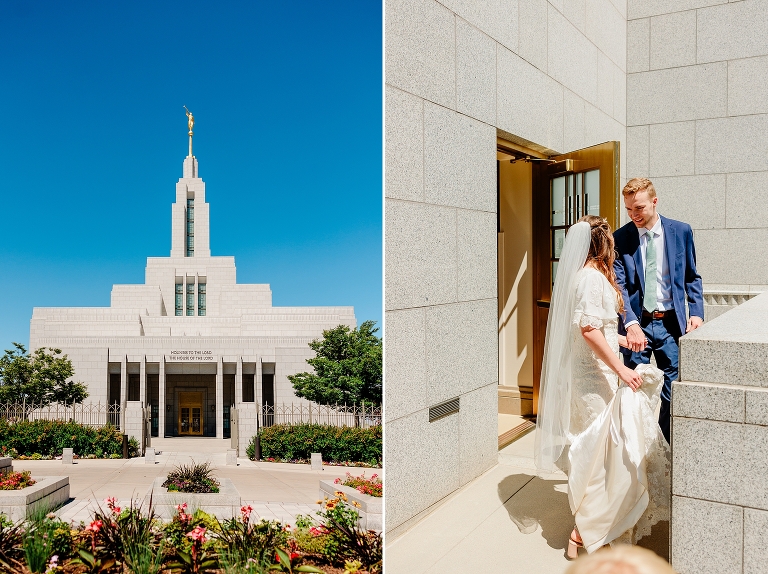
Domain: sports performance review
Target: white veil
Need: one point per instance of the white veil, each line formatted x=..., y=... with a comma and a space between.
x=554, y=413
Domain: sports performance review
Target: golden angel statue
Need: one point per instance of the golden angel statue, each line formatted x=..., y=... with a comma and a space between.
x=190, y=120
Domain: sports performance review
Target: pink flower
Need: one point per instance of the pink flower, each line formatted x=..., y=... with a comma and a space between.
x=245, y=511
x=181, y=507
x=110, y=501
x=198, y=534
x=95, y=526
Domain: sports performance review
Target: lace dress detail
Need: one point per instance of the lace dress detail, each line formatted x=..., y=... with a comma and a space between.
x=594, y=385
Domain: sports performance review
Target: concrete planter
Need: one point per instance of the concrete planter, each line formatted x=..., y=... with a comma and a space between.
x=370, y=506
x=223, y=504
x=45, y=495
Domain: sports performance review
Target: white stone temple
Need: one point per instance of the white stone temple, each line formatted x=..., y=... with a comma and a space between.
x=190, y=342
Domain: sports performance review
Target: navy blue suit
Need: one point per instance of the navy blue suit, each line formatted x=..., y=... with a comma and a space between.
x=663, y=334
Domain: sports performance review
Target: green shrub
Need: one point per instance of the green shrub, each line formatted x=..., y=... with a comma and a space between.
x=49, y=438
x=338, y=444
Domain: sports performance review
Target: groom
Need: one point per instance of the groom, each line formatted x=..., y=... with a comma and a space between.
x=656, y=269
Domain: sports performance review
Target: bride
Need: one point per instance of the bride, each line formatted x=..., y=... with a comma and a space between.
x=597, y=418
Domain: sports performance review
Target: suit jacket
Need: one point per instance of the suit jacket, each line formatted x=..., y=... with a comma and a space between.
x=681, y=257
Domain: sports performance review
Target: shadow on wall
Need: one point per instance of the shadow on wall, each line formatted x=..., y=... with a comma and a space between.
x=539, y=503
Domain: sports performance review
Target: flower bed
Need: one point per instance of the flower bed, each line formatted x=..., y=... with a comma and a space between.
x=192, y=478
x=43, y=494
x=132, y=539
x=16, y=480
x=370, y=486
x=296, y=443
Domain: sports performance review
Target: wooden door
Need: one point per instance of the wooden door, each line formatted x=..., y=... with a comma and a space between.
x=574, y=184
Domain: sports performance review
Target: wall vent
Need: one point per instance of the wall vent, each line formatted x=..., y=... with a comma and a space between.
x=444, y=409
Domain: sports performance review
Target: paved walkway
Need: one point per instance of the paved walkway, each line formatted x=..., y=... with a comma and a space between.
x=507, y=520
x=275, y=490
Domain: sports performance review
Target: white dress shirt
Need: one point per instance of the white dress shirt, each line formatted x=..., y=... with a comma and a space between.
x=663, y=277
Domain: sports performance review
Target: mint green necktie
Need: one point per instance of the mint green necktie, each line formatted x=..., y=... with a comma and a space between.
x=649, y=298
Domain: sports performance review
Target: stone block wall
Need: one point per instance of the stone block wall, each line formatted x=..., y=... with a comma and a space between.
x=548, y=75
x=697, y=120
x=720, y=445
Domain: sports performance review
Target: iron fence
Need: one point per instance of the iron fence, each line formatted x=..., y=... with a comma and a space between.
x=88, y=414
x=310, y=413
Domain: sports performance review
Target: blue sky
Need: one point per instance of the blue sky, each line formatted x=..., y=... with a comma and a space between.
x=287, y=105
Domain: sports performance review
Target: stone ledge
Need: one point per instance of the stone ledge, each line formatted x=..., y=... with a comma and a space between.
x=370, y=506
x=46, y=494
x=223, y=504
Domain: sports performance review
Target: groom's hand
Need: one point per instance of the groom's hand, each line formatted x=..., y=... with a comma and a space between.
x=694, y=323
x=635, y=338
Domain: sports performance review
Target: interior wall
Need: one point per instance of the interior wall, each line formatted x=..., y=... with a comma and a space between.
x=515, y=289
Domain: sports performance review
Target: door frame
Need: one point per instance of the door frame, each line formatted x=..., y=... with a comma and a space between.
x=191, y=404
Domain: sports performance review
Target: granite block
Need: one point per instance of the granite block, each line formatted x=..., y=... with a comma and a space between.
x=638, y=45
x=413, y=488
x=149, y=455
x=533, y=32
x=316, y=460
x=730, y=145
x=677, y=94
x=694, y=548
x=529, y=102
x=498, y=19
x=574, y=120
x=673, y=40
x=231, y=457
x=405, y=369
x=607, y=28
x=743, y=76
x=600, y=127
x=605, y=77
x=478, y=430
x=756, y=407
x=475, y=73
x=67, y=455
x=675, y=193
x=48, y=493
x=420, y=247
x=576, y=13
x=746, y=203
x=404, y=150
x=477, y=265
x=462, y=348
x=731, y=31
x=6, y=464
x=620, y=95
x=420, y=48
x=708, y=401
x=671, y=149
x=753, y=491
x=644, y=8
x=729, y=256
x=638, y=151
x=223, y=504
x=755, y=548
x=459, y=160
x=571, y=57
x=707, y=459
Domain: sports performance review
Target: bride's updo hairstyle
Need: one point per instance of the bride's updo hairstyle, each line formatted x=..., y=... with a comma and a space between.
x=602, y=254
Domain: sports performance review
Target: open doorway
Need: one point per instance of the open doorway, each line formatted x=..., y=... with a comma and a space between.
x=539, y=198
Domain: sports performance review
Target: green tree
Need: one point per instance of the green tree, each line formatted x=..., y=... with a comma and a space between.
x=39, y=378
x=347, y=366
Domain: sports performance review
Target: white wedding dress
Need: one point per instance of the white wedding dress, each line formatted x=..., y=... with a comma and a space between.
x=619, y=462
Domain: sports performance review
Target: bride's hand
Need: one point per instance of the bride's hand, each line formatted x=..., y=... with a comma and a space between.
x=623, y=342
x=630, y=377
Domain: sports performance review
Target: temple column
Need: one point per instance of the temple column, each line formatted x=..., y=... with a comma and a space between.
x=161, y=399
x=219, y=398
x=143, y=381
x=123, y=389
x=238, y=382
